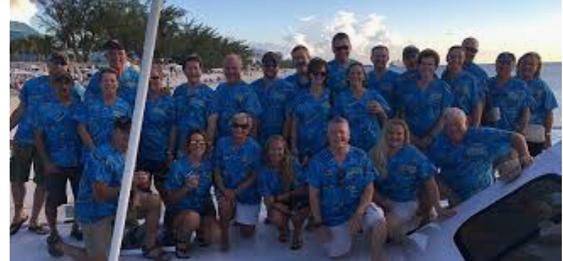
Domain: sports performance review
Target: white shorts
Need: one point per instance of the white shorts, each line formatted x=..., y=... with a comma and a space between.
x=340, y=241
x=405, y=215
x=247, y=214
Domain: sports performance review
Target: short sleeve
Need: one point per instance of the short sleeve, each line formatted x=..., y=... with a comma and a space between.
x=172, y=177
x=252, y=105
x=264, y=182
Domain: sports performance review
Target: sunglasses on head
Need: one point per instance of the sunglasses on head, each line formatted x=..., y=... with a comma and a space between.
x=342, y=48
x=240, y=126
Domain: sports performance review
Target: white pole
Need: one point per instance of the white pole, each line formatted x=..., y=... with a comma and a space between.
x=137, y=121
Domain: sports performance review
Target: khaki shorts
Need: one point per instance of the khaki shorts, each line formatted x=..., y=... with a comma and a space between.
x=340, y=242
x=97, y=237
x=23, y=155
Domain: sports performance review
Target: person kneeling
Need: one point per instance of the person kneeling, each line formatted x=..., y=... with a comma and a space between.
x=340, y=193
x=97, y=200
x=404, y=171
x=188, y=182
x=282, y=183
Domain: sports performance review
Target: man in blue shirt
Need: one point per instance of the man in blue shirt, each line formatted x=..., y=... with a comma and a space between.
x=275, y=95
x=465, y=156
x=471, y=46
x=340, y=192
x=381, y=78
x=34, y=92
x=341, y=48
x=97, y=200
x=300, y=57
x=192, y=102
x=95, y=116
x=59, y=147
x=232, y=97
x=127, y=75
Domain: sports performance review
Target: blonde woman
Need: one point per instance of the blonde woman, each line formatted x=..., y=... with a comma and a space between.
x=404, y=171
x=283, y=184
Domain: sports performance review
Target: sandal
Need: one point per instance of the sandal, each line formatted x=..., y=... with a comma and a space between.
x=52, y=241
x=182, y=250
x=15, y=227
x=296, y=244
x=40, y=229
x=155, y=253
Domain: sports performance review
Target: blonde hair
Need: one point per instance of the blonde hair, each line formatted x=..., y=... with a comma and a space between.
x=286, y=167
x=378, y=153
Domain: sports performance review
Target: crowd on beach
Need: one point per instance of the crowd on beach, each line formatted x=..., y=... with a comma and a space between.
x=333, y=148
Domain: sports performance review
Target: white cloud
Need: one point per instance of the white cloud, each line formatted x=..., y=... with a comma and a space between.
x=365, y=32
x=22, y=10
x=308, y=18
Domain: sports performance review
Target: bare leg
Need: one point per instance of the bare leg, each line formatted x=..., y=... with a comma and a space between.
x=51, y=215
x=280, y=220
x=378, y=237
x=38, y=202
x=298, y=219
x=226, y=210
x=151, y=206
x=18, y=195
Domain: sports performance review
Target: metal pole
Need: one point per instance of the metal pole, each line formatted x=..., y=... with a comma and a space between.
x=142, y=87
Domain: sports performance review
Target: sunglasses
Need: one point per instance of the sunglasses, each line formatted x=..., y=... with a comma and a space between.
x=155, y=77
x=240, y=126
x=318, y=73
x=471, y=49
x=58, y=61
x=196, y=142
x=342, y=48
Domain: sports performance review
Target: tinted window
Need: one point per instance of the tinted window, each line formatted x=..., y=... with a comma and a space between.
x=524, y=225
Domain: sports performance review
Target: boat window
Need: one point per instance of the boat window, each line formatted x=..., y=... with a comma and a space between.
x=524, y=225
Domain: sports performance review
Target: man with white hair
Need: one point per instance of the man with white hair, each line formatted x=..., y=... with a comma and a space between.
x=340, y=191
x=465, y=155
x=236, y=160
x=231, y=97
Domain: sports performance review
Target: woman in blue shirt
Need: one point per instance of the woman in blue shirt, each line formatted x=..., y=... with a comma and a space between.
x=538, y=133
x=282, y=183
x=311, y=114
x=404, y=171
x=365, y=109
x=188, y=182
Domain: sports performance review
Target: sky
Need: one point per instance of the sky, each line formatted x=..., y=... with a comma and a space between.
x=499, y=25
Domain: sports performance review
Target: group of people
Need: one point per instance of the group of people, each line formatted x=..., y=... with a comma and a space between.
x=332, y=147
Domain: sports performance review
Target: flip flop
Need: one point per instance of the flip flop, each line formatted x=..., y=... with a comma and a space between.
x=15, y=227
x=52, y=241
x=155, y=253
x=40, y=229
